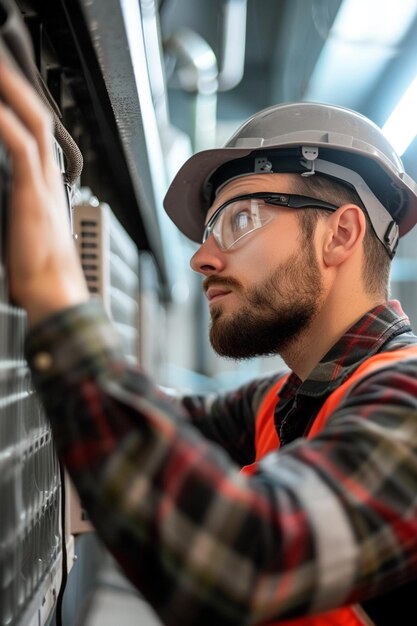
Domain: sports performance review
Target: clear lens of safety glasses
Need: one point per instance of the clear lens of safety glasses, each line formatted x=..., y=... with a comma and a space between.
x=240, y=216
x=237, y=219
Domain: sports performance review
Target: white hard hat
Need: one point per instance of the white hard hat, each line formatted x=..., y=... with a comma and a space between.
x=303, y=137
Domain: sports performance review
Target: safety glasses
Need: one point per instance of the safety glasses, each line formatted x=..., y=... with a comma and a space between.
x=240, y=216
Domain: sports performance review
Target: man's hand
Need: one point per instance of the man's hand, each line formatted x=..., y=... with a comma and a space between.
x=43, y=267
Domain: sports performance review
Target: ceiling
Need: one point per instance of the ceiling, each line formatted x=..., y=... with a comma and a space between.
x=356, y=53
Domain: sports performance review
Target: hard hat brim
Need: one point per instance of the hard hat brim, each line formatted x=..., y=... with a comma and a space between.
x=184, y=201
x=187, y=207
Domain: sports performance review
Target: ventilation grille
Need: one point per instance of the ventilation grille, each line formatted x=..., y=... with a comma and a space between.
x=89, y=253
x=110, y=261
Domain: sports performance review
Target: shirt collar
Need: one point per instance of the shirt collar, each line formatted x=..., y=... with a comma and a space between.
x=362, y=340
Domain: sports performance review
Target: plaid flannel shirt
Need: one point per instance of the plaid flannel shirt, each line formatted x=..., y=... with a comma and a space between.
x=323, y=522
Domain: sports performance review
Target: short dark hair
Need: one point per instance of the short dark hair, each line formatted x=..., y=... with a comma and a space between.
x=377, y=263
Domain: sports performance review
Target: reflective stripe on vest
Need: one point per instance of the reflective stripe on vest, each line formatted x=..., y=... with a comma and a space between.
x=267, y=440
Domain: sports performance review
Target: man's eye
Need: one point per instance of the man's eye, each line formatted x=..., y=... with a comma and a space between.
x=241, y=221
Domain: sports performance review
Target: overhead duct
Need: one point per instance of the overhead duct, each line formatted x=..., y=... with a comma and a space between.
x=232, y=58
x=196, y=71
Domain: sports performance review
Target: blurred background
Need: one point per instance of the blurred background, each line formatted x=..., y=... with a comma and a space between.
x=226, y=60
x=139, y=85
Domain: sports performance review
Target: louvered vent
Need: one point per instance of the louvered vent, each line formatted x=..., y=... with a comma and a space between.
x=89, y=253
x=89, y=224
x=110, y=261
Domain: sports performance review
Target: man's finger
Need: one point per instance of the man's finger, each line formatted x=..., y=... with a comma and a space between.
x=27, y=106
x=21, y=146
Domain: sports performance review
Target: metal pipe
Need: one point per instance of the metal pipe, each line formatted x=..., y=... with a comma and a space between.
x=233, y=44
x=196, y=70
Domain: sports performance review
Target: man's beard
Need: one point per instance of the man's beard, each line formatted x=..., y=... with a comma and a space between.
x=272, y=314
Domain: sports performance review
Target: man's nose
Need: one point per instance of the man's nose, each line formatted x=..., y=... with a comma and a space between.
x=209, y=258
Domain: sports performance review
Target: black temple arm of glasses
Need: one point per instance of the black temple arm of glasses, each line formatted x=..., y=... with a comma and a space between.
x=296, y=202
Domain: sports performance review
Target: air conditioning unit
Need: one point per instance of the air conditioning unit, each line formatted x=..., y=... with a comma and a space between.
x=110, y=261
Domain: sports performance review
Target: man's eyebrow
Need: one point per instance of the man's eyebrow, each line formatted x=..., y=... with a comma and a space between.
x=212, y=211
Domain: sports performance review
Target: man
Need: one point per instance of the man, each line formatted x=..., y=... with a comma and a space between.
x=323, y=516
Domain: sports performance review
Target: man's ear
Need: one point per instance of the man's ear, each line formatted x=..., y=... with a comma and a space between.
x=345, y=230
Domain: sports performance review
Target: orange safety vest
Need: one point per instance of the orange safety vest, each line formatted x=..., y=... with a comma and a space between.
x=267, y=440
